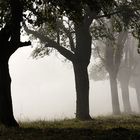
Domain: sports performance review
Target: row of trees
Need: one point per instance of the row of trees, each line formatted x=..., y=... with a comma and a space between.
x=127, y=73
x=66, y=27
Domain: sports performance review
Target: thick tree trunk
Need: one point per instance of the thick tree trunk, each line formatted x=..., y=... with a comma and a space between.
x=82, y=58
x=114, y=95
x=6, y=110
x=82, y=91
x=125, y=96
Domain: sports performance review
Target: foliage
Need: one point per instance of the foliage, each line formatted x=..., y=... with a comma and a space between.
x=4, y=12
x=126, y=19
x=98, y=72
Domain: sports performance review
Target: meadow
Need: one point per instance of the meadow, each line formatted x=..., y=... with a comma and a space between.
x=100, y=128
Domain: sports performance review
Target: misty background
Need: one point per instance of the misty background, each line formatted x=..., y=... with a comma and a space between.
x=44, y=89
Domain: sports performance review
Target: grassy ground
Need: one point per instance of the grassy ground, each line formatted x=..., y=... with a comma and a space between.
x=101, y=128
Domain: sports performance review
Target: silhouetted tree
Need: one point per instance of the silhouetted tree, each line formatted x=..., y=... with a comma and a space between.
x=81, y=14
x=79, y=55
x=10, y=41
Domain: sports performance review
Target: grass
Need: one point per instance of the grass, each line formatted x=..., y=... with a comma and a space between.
x=101, y=128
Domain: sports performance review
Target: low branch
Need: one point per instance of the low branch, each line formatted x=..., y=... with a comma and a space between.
x=63, y=51
x=26, y=43
x=51, y=43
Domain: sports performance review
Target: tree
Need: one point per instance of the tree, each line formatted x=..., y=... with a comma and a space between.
x=11, y=31
x=133, y=63
x=125, y=73
x=81, y=14
x=113, y=40
x=112, y=57
x=79, y=55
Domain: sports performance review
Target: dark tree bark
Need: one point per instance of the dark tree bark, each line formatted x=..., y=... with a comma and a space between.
x=82, y=91
x=8, y=48
x=114, y=94
x=10, y=41
x=6, y=110
x=80, y=65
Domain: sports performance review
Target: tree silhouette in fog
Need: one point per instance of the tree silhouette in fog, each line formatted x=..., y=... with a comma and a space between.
x=71, y=38
x=129, y=69
x=10, y=41
x=112, y=45
x=80, y=15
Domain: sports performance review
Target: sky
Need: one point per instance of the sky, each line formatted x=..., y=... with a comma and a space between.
x=45, y=89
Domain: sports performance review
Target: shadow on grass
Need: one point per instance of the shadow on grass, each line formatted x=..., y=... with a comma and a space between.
x=118, y=134
x=47, y=134
x=69, y=134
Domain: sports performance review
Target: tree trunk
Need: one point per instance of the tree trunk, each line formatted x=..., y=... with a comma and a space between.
x=6, y=110
x=82, y=91
x=137, y=88
x=114, y=95
x=125, y=96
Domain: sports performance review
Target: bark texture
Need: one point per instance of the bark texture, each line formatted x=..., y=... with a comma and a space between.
x=82, y=92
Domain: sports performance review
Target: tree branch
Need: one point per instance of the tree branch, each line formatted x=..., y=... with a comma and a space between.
x=110, y=14
x=68, y=33
x=51, y=43
x=63, y=51
x=26, y=43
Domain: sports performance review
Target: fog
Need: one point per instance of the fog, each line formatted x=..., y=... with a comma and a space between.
x=44, y=89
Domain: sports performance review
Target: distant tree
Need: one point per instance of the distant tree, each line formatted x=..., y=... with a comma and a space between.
x=132, y=63
x=112, y=37
x=129, y=70
x=113, y=55
x=125, y=72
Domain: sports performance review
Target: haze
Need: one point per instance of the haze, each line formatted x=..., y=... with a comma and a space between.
x=44, y=89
